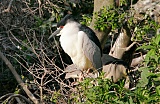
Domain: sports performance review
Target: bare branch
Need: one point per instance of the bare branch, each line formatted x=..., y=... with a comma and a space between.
x=9, y=7
x=137, y=60
x=7, y=62
x=12, y=95
x=130, y=46
x=121, y=43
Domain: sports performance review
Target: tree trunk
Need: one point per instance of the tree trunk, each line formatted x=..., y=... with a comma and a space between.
x=124, y=38
x=120, y=46
x=98, y=5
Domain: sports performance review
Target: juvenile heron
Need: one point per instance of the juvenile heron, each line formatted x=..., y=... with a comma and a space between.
x=80, y=43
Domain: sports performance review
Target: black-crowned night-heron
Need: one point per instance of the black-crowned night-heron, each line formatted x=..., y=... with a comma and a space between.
x=80, y=43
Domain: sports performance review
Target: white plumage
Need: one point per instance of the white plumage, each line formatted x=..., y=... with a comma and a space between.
x=80, y=43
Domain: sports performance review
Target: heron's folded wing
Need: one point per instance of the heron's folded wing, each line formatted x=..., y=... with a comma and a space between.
x=90, y=49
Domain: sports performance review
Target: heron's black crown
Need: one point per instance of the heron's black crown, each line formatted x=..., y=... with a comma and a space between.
x=64, y=20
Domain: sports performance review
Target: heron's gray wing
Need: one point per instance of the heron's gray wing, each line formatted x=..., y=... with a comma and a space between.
x=90, y=49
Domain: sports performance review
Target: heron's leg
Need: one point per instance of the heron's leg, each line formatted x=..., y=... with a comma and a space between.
x=81, y=76
x=88, y=70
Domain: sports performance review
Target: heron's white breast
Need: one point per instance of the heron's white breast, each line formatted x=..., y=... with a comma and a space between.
x=69, y=42
x=68, y=39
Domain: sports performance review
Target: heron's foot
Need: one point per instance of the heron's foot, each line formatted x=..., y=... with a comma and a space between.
x=82, y=75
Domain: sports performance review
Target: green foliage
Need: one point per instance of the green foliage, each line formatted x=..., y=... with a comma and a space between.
x=110, y=16
x=100, y=91
x=147, y=91
x=86, y=20
x=104, y=91
x=55, y=96
x=144, y=28
x=150, y=75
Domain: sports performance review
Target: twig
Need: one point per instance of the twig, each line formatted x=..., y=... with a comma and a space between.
x=17, y=77
x=41, y=85
x=59, y=52
x=130, y=46
x=6, y=95
x=39, y=3
x=18, y=100
x=16, y=96
x=9, y=7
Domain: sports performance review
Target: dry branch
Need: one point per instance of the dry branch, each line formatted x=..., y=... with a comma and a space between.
x=121, y=44
x=7, y=62
x=16, y=96
x=8, y=8
x=137, y=60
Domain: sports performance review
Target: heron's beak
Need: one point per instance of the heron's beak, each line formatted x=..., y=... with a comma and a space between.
x=56, y=33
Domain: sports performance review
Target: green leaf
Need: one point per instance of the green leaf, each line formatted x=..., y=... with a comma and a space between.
x=152, y=52
x=144, y=77
x=157, y=78
x=158, y=90
x=146, y=47
x=157, y=40
x=131, y=101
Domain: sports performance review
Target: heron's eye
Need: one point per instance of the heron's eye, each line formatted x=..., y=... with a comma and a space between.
x=61, y=26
